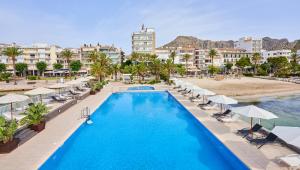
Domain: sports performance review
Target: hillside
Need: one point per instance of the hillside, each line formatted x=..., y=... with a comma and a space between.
x=268, y=43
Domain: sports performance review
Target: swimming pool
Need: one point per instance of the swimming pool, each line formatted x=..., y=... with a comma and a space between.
x=141, y=88
x=142, y=130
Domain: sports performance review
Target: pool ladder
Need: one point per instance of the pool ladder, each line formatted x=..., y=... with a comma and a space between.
x=85, y=113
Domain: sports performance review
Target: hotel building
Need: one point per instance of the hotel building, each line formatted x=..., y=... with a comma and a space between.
x=143, y=41
x=251, y=45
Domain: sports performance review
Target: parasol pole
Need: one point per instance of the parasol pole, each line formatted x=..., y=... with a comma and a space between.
x=41, y=98
x=11, y=110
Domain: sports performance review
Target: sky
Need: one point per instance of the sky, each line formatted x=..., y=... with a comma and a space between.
x=71, y=23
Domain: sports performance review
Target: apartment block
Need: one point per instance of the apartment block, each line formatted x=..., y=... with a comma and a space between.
x=51, y=54
x=275, y=53
x=31, y=55
x=251, y=45
x=143, y=41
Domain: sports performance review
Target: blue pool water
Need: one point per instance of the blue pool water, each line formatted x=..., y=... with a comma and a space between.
x=141, y=88
x=142, y=130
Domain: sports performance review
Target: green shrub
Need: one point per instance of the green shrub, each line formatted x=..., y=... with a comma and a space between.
x=7, y=129
x=34, y=115
x=32, y=77
x=164, y=77
x=248, y=74
x=5, y=76
x=153, y=82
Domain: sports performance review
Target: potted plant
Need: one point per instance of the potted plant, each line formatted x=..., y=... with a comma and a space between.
x=93, y=90
x=7, y=132
x=35, y=117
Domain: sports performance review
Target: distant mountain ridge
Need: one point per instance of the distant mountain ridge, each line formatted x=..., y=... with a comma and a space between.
x=193, y=42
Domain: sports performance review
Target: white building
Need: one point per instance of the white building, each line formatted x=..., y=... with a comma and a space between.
x=298, y=53
x=143, y=41
x=275, y=53
x=163, y=53
x=251, y=45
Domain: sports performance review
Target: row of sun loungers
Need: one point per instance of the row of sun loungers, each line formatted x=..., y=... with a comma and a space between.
x=227, y=116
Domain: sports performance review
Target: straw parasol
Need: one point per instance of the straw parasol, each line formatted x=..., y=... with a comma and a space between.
x=39, y=91
x=12, y=98
x=253, y=112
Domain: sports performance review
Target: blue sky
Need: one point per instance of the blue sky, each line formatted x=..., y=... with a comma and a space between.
x=70, y=23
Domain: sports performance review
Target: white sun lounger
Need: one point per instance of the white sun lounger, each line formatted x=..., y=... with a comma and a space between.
x=293, y=160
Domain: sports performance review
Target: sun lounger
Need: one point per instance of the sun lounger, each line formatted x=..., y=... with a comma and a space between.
x=231, y=119
x=80, y=89
x=58, y=99
x=293, y=160
x=210, y=107
x=226, y=113
x=73, y=92
x=205, y=104
x=245, y=132
x=262, y=141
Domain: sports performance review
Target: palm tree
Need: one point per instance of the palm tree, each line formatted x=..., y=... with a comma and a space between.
x=256, y=59
x=156, y=67
x=12, y=52
x=212, y=54
x=67, y=55
x=101, y=67
x=98, y=70
x=135, y=56
x=116, y=69
x=141, y=69
x=186, y=58
x=93, y=56
x=172, y=56
x=168, y=68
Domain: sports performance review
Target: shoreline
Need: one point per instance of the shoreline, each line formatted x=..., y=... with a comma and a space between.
x=255, y=97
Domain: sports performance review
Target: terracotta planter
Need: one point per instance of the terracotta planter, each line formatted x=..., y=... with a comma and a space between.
x=38, y=127
x=9, y=146
x=92, y=92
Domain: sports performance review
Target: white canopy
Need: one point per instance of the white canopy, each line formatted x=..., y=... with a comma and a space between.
x=290, y=135
x=39, y=91
x=13, y=98
x=58, y=86
x=221, y=99
x=254, y=112
x=204, y=92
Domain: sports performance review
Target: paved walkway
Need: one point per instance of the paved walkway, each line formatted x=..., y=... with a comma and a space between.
x=34, y=152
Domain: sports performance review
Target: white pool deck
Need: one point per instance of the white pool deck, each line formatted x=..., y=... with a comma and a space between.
x=35, y=151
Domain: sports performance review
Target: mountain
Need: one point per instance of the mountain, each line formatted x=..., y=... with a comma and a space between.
x=193, y=42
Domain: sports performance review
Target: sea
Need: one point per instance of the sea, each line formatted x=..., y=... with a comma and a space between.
x=287, y=108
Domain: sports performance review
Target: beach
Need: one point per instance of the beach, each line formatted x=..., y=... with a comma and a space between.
x=247, y=88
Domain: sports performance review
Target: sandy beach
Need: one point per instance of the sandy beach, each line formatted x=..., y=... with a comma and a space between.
x=247, y=88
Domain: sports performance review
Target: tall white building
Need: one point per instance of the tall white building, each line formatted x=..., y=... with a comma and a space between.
x=251, y=45
x=143, y=41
